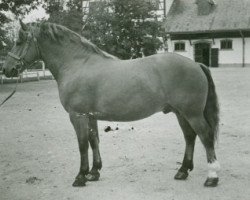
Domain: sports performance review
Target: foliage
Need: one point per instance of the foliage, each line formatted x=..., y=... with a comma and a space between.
x=123, y=28
x=127, y=29
x=70, y=17
x=18, y=7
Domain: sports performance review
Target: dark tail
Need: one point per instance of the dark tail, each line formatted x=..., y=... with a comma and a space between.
x=211, y=112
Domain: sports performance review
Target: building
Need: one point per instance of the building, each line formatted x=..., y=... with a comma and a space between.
x=213, y=32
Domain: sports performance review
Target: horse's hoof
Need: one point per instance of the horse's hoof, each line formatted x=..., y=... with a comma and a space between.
x=93, y=176
x=80, y=181
x=211, y=182
x=181, y=175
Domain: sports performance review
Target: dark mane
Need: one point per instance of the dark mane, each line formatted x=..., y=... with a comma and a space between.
x=58, y=33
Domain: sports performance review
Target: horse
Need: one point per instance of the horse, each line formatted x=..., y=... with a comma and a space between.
x=94, y=85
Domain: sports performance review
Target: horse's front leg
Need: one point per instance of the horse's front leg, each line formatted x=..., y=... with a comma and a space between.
x=80, y=123
x=94, y=143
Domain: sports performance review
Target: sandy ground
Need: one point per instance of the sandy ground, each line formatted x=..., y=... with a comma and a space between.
x=39, y=156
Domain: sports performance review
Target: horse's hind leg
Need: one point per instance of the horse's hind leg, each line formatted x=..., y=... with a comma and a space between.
x=202, y=128
x=80, y=123
x=189, y=136
x=94, y=143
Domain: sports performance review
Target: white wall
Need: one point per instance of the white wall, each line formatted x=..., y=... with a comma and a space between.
x=188, y=51
x=231, y=56
x=226, y=57
x=247, y=50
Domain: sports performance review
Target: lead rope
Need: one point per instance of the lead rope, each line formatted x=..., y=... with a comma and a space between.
x=12, y=93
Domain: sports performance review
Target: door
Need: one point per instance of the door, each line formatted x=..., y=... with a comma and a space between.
x=198, y=54
x=214, y=57
x=202, y=53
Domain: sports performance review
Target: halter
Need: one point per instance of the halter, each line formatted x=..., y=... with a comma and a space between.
x=21, y=59
x=22, y=62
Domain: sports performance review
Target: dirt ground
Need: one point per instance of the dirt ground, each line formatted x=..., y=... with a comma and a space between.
x=39, y=155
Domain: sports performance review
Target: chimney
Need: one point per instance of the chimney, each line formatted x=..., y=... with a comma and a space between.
x=205, y=7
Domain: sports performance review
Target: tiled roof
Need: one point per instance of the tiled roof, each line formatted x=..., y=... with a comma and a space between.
x=226, y=15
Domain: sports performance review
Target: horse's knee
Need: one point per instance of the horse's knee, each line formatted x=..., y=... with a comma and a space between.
x=92, y=134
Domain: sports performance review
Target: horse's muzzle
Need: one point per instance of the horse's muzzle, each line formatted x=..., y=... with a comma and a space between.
x=13, y=72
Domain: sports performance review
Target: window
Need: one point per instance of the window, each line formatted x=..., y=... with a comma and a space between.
x=226, y=44
x=179, y=46
x=155, y=3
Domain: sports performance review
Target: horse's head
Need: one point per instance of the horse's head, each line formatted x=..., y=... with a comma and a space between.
x=23, y=54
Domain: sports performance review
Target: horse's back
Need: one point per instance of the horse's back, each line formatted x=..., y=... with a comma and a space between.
x=172, y=71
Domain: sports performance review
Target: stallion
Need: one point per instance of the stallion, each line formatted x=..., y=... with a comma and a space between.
x=94, y=85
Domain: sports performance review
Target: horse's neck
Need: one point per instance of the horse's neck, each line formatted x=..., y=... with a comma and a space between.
x=60, y=58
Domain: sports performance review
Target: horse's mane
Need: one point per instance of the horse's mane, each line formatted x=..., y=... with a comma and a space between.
x=58, y=33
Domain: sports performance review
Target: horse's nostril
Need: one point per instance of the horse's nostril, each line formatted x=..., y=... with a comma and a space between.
x=14, y=72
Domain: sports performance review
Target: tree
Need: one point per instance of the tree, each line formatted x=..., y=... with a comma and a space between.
x=126, y=29
x=70, y=17
x=123, y=28
x=18, y=8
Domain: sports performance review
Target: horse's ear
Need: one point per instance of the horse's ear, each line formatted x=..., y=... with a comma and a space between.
x=23, y=25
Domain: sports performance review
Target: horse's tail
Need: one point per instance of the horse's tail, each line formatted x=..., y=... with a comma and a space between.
x=211, y=112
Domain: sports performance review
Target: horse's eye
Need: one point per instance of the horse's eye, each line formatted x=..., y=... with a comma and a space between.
x=18, y=42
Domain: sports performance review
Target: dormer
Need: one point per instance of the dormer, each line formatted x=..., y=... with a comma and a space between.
x=205, y=7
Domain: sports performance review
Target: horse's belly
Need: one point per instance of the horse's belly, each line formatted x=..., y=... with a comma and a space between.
x=114, y=111
x=131, y=111
x=120, y=116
